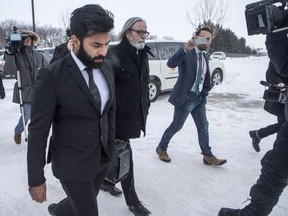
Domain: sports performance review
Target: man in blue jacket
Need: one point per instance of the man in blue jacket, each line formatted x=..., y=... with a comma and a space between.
x=189, y=95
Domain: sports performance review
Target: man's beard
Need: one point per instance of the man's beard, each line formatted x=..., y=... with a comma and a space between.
x=138, y=45
x=88, y=60
x=202, y=47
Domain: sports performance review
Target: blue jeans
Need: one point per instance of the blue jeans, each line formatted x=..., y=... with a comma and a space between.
x=195, y=105
x=27, y=111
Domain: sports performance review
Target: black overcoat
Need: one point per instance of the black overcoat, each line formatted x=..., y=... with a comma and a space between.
x=131, y=84
x=274, y=78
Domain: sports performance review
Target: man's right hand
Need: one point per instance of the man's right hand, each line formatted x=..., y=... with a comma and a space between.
x=190, y=45
x=38, y=193
x=70, y=45
x=282, y=87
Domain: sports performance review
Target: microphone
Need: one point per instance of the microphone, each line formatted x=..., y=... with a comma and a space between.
x=267, y=84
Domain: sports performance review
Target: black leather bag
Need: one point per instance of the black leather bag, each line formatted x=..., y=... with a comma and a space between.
x=118, y=173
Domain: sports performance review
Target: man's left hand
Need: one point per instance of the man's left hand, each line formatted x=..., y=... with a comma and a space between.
x=38, y=193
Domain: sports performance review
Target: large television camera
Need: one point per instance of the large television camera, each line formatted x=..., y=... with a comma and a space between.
x=266, y=16
x=15, y=40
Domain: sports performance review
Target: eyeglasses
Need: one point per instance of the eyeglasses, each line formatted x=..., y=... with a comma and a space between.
x=141, y=33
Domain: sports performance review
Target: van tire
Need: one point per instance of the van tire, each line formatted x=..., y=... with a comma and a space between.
x=217, y=77
x=154, y=90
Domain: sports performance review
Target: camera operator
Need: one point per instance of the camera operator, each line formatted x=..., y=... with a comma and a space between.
x=2, y=90
x=274, y=173
x=27, y=61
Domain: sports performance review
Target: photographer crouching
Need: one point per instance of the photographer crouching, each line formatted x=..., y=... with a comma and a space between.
x=23, y=62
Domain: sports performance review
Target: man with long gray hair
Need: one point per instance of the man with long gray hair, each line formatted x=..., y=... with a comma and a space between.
x=130, y=62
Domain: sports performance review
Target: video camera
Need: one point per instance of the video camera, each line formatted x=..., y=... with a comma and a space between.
x=273, y=93
x=15, y=40
x=265, y=16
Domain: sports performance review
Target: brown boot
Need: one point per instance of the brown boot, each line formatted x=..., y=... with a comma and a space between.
x=17, y=138
x=163, y=155
x=212, y=160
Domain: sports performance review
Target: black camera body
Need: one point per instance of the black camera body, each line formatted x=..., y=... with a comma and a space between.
x=265, y=16
x=274, y=95
x=15, y=40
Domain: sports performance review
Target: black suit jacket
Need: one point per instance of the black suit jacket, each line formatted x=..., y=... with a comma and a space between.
x=79, y=132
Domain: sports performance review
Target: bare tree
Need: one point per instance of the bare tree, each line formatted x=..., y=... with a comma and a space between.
x=65, y=18
x=51, y=36
x=207, y=12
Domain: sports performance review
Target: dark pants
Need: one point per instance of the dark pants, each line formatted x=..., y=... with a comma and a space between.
x=195, y=105
x=81, y=197
x=271, y=129
x=274, y=175
x=128, y=186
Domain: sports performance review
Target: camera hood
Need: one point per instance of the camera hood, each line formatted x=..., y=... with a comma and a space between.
x=264, y=17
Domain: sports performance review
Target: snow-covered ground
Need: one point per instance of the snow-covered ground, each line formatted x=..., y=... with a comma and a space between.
x=184, y=187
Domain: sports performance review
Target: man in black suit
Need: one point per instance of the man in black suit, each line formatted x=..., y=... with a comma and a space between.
x=83, y=122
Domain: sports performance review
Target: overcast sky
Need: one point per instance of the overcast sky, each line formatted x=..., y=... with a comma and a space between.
x=164, y=17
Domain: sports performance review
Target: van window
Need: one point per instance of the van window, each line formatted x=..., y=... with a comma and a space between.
x=153, y=50
x=166, y=50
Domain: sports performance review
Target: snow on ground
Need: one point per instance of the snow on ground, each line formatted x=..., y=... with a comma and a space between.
x=183, y=187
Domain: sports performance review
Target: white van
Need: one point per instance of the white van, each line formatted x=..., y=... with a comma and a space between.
x=163, y=78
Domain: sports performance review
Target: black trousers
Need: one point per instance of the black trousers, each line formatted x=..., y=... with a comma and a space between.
x=81, y=197
x=128, y=186
x=274, y=175
x=271, y=129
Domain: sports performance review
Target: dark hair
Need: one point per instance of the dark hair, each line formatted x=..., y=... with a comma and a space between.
x=68, y=32
x=90, y=19
x=205, y=28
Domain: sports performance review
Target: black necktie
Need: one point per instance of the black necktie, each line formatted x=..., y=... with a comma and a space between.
x=93, y=88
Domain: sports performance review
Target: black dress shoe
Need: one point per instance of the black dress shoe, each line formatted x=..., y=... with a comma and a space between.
x=139, y=210
x=114, y=191
x=229, y=212
x=247, y=211
x=51, y=209
x=255, y=140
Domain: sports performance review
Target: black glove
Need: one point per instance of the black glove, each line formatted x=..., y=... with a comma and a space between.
x=2, y=94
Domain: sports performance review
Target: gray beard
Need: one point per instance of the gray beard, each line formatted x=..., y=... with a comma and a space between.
x=138, y=46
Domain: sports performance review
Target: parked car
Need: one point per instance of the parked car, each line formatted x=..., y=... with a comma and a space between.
x=47, y=53
x=2, y=62
x=163, y=78
x=218, y=55
x=2, y=51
